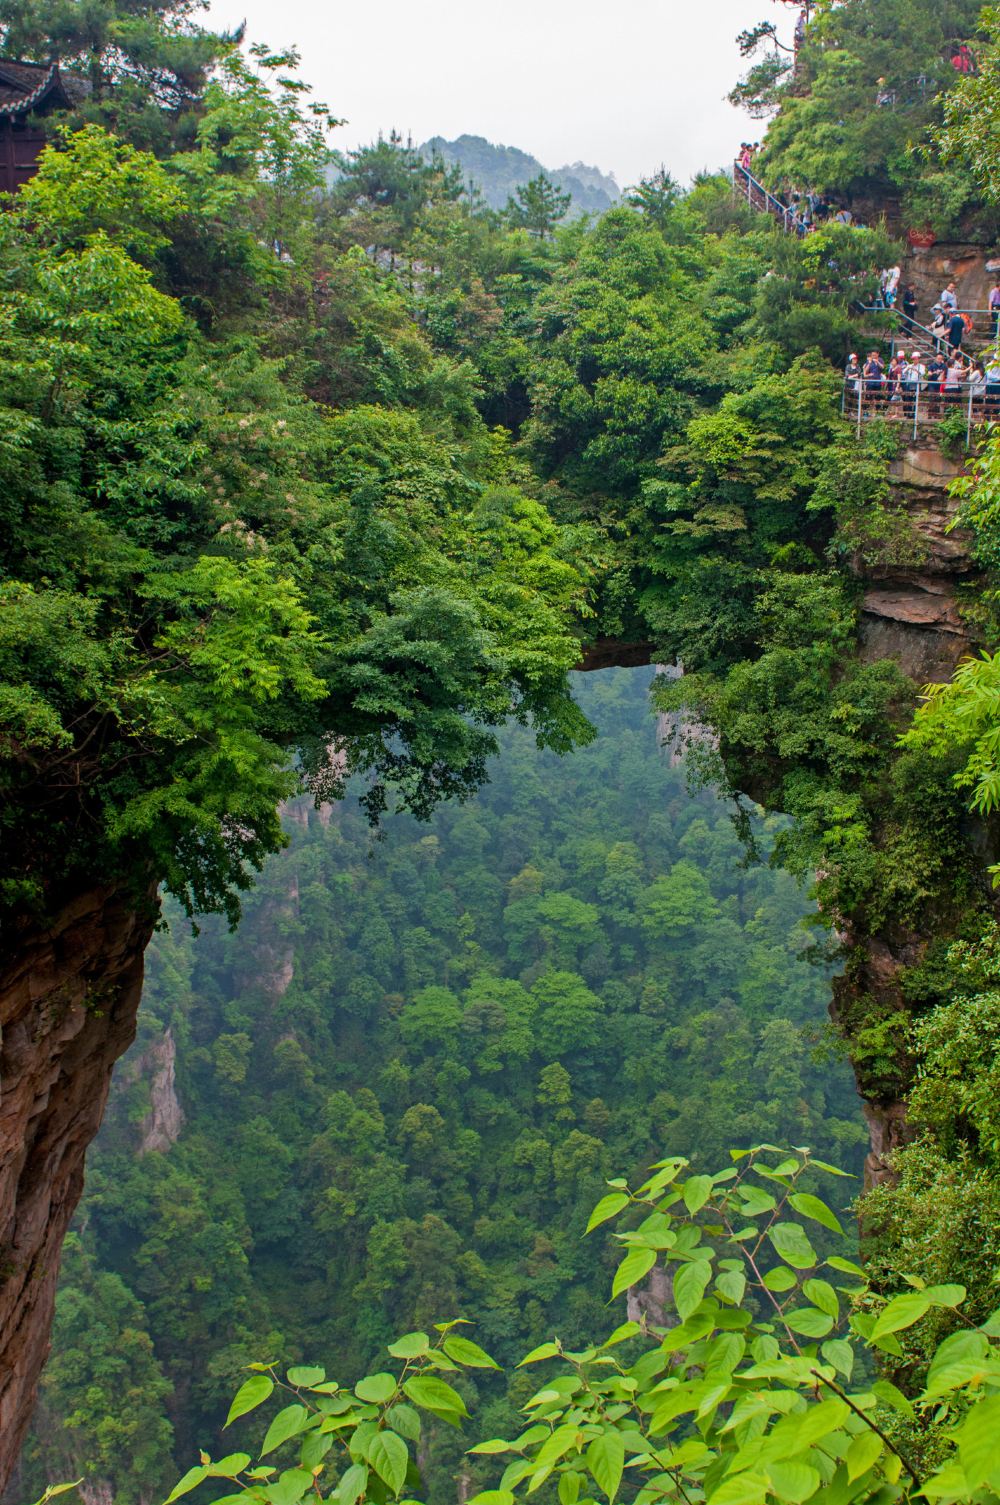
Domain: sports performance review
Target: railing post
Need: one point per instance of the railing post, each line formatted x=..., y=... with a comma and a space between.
x=860, y=392
x=968, y=425
x=916, y=406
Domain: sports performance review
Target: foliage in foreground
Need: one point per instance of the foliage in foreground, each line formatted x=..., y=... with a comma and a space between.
x=755, y=1386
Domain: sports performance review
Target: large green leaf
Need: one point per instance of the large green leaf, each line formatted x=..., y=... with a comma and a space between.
x=605, y=1461
x=389, y=1457
x=979, y=1442
x=376, y=1388
x=288, y=1423
x=191, y=1480
x=608, y=1207
x=812, y=1207
x=435, y=1395
x=791, y=1244
x=863, y=1452
x=469, y=1354
x=353, y=1484
x=696, y=1192
x=250, y=1395
x=634, y=1267
x=793, y=1481
x=690, y=1283
x=900, y=1313
x=410, y=1346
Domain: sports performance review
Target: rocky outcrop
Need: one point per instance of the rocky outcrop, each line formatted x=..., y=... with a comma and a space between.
x=910, y=612
x=162, y=1125
x=69, y=993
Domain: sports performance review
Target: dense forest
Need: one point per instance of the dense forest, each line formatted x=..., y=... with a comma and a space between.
x=407, y=1074
x=317, y=488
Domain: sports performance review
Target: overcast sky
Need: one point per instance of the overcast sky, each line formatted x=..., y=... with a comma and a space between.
x=624, y=86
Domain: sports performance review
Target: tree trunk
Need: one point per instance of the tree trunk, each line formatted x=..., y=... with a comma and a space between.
x=69, y=995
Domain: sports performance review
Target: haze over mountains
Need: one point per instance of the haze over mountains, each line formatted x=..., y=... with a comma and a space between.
x=497, y=171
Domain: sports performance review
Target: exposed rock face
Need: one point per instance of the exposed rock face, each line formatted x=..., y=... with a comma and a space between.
x=163, y=1123
x=911, y=613
x=68, y=1001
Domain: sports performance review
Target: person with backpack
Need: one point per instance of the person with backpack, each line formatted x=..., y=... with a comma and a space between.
x=956, y=331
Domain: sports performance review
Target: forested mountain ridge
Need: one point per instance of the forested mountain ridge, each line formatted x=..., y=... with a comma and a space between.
x=405, y=1077
x=497, y=172
x=375, y=466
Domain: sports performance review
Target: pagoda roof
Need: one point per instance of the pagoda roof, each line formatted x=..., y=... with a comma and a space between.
x=25, y=87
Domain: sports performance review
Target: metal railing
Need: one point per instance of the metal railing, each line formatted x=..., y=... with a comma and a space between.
x=916, y=403
x=746, y=186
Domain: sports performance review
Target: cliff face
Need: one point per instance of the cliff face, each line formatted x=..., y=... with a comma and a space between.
x=910, y=614
x=68, y=1001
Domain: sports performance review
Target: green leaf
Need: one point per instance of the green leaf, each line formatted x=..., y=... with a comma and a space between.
x=793, y=1481
x=605, y=1462
x=410, y=1346
x=608, y=1207
x=900, y=1313
x=494, y=1445
x=306, y=1375
x=435, y=1395
x=822, y=1294
x=543, y=1351
x=389, y=1457
x=228, y=1467
x=812, y=1207
x=946, y=1295
x=405, y=1420
x=288, y=1423
x=251, y=1394
x=191, y=1480
x=756, y=1201
x=977, y=1442
x=633, y=1268
x=690, y=1282
x=620, y=1335
x=732, y=1284
x=780, y=1279
x=791, y=1245
x=839, y=1353
x=846, y=1267
x=376, y=1388
x=892, y=1397
x=749, y=1488
x=808, y=1321
x=492, y=1497
x=569, y=1487
x=469, y=1354
x=864, y=1451
x=696, y=1192
x=353, y=1484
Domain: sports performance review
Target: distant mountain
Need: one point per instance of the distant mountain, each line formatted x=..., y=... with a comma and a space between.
x=498, y=170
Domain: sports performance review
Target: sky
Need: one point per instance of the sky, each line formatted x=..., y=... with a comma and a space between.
x=624, y=87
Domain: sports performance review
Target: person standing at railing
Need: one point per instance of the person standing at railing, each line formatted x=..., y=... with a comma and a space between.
x=908, y=305
x=994, y=307
x=953, y=380
x=874, y=375
x=894, y=374
x=852, y=375
x=956, y=332
x=949, y=298
x=939, y=327
x=913, y=374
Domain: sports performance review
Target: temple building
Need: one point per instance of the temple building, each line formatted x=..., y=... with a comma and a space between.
x=29, y=91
